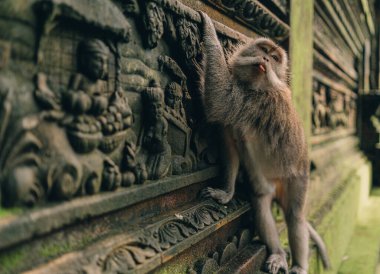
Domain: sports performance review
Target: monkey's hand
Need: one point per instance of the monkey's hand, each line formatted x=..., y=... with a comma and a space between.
x=210, y=37
x=276, y=263
x=221, y=196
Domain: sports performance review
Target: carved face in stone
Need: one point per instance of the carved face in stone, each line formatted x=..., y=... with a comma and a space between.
x=173, y=96
x=93, y=59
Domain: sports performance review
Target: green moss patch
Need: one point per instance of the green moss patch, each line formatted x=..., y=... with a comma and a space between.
x=9, y=212
x=11, y=260
x=363, y=250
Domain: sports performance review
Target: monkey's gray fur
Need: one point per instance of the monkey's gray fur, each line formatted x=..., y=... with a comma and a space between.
x=250, y=98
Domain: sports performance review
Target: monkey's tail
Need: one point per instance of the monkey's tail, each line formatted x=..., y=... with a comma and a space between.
x=320, y=245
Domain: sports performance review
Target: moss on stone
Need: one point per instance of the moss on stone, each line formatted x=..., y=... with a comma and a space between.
x=19, y=258
x=338, y=223
x=363, y=250
x=9, y=261
x=53, y=249
x=9, y=212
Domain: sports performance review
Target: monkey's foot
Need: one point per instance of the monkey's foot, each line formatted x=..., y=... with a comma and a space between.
x=297, y=270
x=276, y=263
x=219, y=195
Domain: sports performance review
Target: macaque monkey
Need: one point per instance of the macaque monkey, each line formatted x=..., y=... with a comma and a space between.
x=251, y=99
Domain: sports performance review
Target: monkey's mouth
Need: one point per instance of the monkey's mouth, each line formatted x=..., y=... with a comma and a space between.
x=261, y=67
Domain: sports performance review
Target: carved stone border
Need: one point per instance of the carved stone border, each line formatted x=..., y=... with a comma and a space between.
x=256, y=16
x=216, y=259
x=147, y=248
x=282, y=6
x=15, y=229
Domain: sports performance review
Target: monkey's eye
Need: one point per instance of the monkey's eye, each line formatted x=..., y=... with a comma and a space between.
x=264, y=49
x=275, y=57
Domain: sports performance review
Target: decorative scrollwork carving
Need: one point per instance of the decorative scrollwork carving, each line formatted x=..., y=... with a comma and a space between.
x=127, y=257
x=160, y=237
x=216, y=260
x=256, y=16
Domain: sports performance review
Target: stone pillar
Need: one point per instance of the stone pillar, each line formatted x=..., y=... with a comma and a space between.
x=301, y=58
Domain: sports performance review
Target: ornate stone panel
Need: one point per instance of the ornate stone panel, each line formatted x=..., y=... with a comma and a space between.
x=105, y=107
x=340, y=35
x=100, y=114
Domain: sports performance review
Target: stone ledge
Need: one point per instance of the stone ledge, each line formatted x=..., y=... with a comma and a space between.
x=37, y=222
x=153, y=244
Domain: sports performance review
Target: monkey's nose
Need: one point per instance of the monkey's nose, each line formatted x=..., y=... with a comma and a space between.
x=265, y=58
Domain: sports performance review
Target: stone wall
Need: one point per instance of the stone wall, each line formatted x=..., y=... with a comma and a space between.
x=104, y=145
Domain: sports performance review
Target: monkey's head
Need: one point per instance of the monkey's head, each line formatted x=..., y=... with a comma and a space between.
x=260, y=62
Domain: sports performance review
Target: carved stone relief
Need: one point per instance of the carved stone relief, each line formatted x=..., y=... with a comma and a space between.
x=256, y=16
x=143, y=249
x=282, y=5
x=332, y=109
x=111, y=103
x=320, y=108
x=217, y=259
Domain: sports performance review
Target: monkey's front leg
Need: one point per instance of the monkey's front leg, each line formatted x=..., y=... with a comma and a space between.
x=230, y=165
x=262, y=196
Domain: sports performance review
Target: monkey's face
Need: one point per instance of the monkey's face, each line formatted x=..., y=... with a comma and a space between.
x=259, y=61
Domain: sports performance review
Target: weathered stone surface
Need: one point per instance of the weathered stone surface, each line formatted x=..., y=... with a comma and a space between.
x=103, y=142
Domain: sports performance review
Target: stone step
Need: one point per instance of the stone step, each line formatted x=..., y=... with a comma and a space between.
x=153, y=242
x=248, y=260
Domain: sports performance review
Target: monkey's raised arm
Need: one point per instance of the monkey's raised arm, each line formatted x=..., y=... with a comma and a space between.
x=217, y=78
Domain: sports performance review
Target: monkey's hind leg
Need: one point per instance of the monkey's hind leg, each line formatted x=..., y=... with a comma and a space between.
x=262, y=197
x=298, y=234
x=230, y=166
x=267, y=231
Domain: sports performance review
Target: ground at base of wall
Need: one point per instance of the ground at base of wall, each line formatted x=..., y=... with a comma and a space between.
x=362, y=255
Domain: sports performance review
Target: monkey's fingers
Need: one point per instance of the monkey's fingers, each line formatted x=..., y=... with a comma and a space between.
x=276, y=263
x=206, y=20
x=205, y=193
x=208, y=27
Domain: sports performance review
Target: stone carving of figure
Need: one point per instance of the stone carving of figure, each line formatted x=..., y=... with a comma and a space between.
x=87, y=94
x=85, y=99
x=338, y=116
x=173, y=100
x=320, y=110
x=154, y=19
x=155, y=141
x=182, y=158
x=92, y=121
